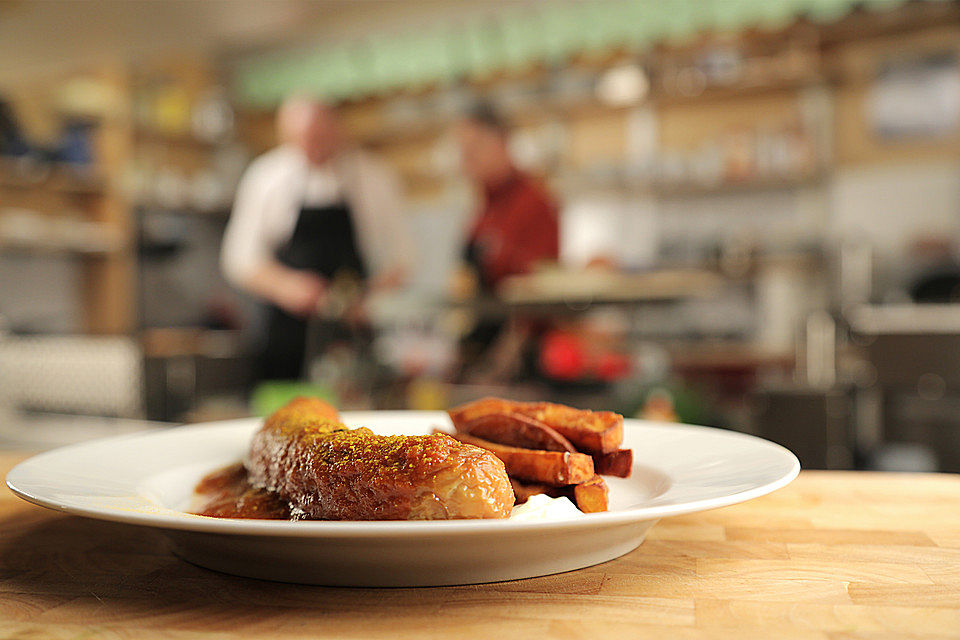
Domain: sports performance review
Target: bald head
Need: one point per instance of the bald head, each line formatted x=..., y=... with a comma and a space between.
x=311, y=126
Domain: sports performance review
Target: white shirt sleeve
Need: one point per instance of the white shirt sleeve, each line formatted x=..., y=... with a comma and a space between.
x=246, y=241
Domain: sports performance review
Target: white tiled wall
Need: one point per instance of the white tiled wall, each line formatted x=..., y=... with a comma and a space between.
x=891, y=206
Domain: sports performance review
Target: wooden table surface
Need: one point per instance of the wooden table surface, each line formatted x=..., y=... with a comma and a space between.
x=833, y=555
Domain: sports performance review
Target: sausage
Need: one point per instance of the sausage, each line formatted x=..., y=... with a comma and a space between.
x=331, y=472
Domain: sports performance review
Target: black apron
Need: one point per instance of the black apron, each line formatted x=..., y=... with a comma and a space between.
x=324, y=241
x=486, y=331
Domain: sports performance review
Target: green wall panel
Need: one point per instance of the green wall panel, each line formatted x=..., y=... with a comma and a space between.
x=514, y=38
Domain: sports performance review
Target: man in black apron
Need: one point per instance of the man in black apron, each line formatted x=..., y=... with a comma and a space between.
x=317, y=223
x=324, y=242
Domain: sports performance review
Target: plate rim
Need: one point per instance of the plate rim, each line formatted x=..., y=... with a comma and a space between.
x=392, y=528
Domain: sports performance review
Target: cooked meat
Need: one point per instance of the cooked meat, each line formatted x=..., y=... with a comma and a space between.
x=331, y=472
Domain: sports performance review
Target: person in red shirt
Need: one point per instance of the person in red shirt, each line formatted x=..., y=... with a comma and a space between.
x=516, y=228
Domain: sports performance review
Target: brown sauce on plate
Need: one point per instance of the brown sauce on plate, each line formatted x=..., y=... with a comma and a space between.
x=227, y=493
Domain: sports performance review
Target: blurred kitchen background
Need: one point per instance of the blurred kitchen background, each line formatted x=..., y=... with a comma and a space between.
x=759, y=210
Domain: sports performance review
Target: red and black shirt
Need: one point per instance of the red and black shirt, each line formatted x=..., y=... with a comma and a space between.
x=517, y=228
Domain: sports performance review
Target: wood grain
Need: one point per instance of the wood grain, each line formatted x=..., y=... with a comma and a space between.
x=832, y=556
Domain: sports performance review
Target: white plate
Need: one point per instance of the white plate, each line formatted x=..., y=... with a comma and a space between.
x=147, y=479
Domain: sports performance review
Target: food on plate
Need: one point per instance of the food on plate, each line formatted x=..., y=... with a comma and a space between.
x=525, y=490
x=331, y=472
x=616, y=463
x=515, y=429
x=227, y=493
x=591, y=496
x=548, y=448
x=325, y=470
x=303, y=463
x=533, y=465
x=588, y=431
x=544, y=508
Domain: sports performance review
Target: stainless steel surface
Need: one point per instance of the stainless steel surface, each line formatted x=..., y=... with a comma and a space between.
x=905, y=318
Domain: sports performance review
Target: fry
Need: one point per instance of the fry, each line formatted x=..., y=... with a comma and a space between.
x=549, y=467
x=589, y=431
x=591, y=496
x=617, y=463
x=523, y=490
x=515, y=430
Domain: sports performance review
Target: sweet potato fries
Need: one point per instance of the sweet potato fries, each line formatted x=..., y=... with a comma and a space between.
x=548, y=448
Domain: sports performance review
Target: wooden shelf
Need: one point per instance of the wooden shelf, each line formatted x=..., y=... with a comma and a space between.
x=52, y=248
x=183, y=140
x=734, y=92
x=574, y=182
x=754, y=184
x=404, y=134
x=215, y=214
x=28, y=250
x=425, y=130
x=570, y=288
x=727, y=355
x=60, y=179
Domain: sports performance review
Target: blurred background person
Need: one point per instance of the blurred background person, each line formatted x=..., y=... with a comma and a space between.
x=515, y=228
x=312, y=212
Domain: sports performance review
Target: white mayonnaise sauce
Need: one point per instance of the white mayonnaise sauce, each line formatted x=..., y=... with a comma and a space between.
x=542, y=507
